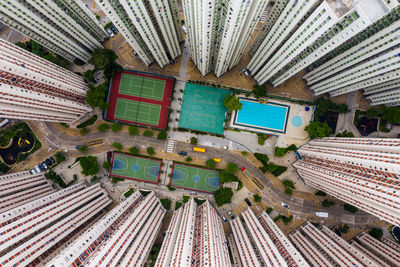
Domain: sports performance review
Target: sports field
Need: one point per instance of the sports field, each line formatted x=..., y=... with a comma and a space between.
x=139, y=99
x=194, y=178
x=141, y=87
x=203, y=108
x=135, y=168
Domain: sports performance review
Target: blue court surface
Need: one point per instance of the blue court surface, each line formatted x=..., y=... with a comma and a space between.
x=203, y=108
x=267, y=117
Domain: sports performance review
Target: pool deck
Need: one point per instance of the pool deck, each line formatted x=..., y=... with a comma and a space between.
x=293, y=135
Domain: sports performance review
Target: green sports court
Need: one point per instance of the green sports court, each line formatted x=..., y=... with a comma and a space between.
x=203, y=108
x=131, y=110
x=142, y=87
x=194, y=178
x=135, y=168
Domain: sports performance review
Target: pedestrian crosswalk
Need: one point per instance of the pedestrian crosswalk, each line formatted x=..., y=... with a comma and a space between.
x=170, y=146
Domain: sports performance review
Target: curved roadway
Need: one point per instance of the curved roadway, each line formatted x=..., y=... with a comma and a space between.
x=297, y=206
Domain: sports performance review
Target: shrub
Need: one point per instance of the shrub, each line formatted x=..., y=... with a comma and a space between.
x=269, y=210
x=320, y=193
x=59, y=157
x=261, y=139
x=106, y=165
x=117, y=145
x=257, y=198
x=289, y=191
x=170, y=188
x=232, y=167
x=240, y=185
x=244, y=153
x=178, y=205
x=344, y=228
x=263, y=169
x=350, y=208
x=193, y=140
x=134, y=150
x=223, y=196
x=129, y=192
x=88, y=122
x=262, y=158
x=199, y=201
x=148, y=133
x=144, y=193
x=89, y=165
x=210, y=164
x=103, y=127
x=276, y=170
x=186, y=199
x=84, y=131
x=150, y=151
x=327, y=203
x=232, y=103
x=287, y=220
x=166, y=203
x=318, y=129
x=227, y=177
x=94, y=179
x=133, y=130
x=376, y=233
x=280, y=152
x=116, y=127
x=162, y=135
x=188, y=159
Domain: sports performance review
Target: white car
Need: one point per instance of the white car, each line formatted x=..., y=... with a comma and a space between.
x=246, y=72
x=110, y=32
x=285, y=205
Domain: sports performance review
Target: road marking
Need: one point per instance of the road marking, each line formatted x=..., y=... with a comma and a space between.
x=170, y=146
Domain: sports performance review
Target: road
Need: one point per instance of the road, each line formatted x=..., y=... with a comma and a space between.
x=297, y=206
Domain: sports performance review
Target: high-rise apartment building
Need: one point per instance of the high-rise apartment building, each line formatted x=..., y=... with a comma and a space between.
x=323, y=247
x=195, y=237
x=218, y=31
x=32, y=231
x=32, y=88
x=151, y=28
x=364, y=172
x=22, y=187
x=261, y=243
x=63, y=26
x=299, y=33
x=124, y=236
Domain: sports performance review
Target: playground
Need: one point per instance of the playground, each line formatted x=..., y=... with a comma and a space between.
x=203, y=108
x=195, y=178
x=140, y=99
x=135, y=168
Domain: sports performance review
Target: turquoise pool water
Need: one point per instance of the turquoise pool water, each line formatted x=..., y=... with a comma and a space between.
x=270, y=116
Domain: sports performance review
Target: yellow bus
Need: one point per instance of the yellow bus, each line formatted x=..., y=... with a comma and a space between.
x=199, y=149
x=217, y=159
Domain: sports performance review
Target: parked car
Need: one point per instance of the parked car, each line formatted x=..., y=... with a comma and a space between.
x=52, y=160
x=248, y=202
x=48, y=162
x=114, y=29
x=110, y=32
x=36, y=170
x=285, y=205
x=246, y=72
x=231, y=215
x=182, y=153
x=224, y=218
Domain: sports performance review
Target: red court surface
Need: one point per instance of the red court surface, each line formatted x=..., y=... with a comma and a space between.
x=114, y=95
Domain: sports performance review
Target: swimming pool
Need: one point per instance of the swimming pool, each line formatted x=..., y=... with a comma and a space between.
x=268, y=117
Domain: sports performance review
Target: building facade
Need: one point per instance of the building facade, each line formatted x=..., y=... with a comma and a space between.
x=32, y=88
x=306, y=31
x=218, y=31
x=124, y=236
x=32, y=231
x=261, y=243
x=195, y=237
x=63, y=26
x=363, y=172
x=151, y=28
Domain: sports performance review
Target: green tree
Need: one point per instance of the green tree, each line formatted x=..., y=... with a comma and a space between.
x=256, y=198
x=178, y=204
x=133, y=130
x=148, y=133
x=96, y=96
x=344, y=228
x=232, y=167
x=262, y=158
x=223, y=196
x=116, y=127
x=318, y=129
x=226, y=177
x=106, y=165
x=350, y=208
x=150, y=151
x=166, y=203
x=94, y=179
x=276, y=170
x=89, y=165
x=188, y=159
x=259, y=91
x=269, y=210
x=170, y=188
x=134, y=150
x=89, y=75
x=376, y=233
x=288, y=191
x=261, y=138
x=102, y=57
x=288, y=184
x=59, y=157
x=117, y=145
x=186, y=199
x=103, y=127
x=391, y=114
x=193, y=140
x=82, y=149
x=210, y=164
x=327, y=203
x=372, y=113
x=84, y=131
x=162, y=135
x=232, y=103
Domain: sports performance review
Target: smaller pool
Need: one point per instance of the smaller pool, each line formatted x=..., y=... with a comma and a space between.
x=297, y=121
x=270, y=116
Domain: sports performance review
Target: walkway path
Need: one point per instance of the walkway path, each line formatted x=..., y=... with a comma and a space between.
x=302, y=208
